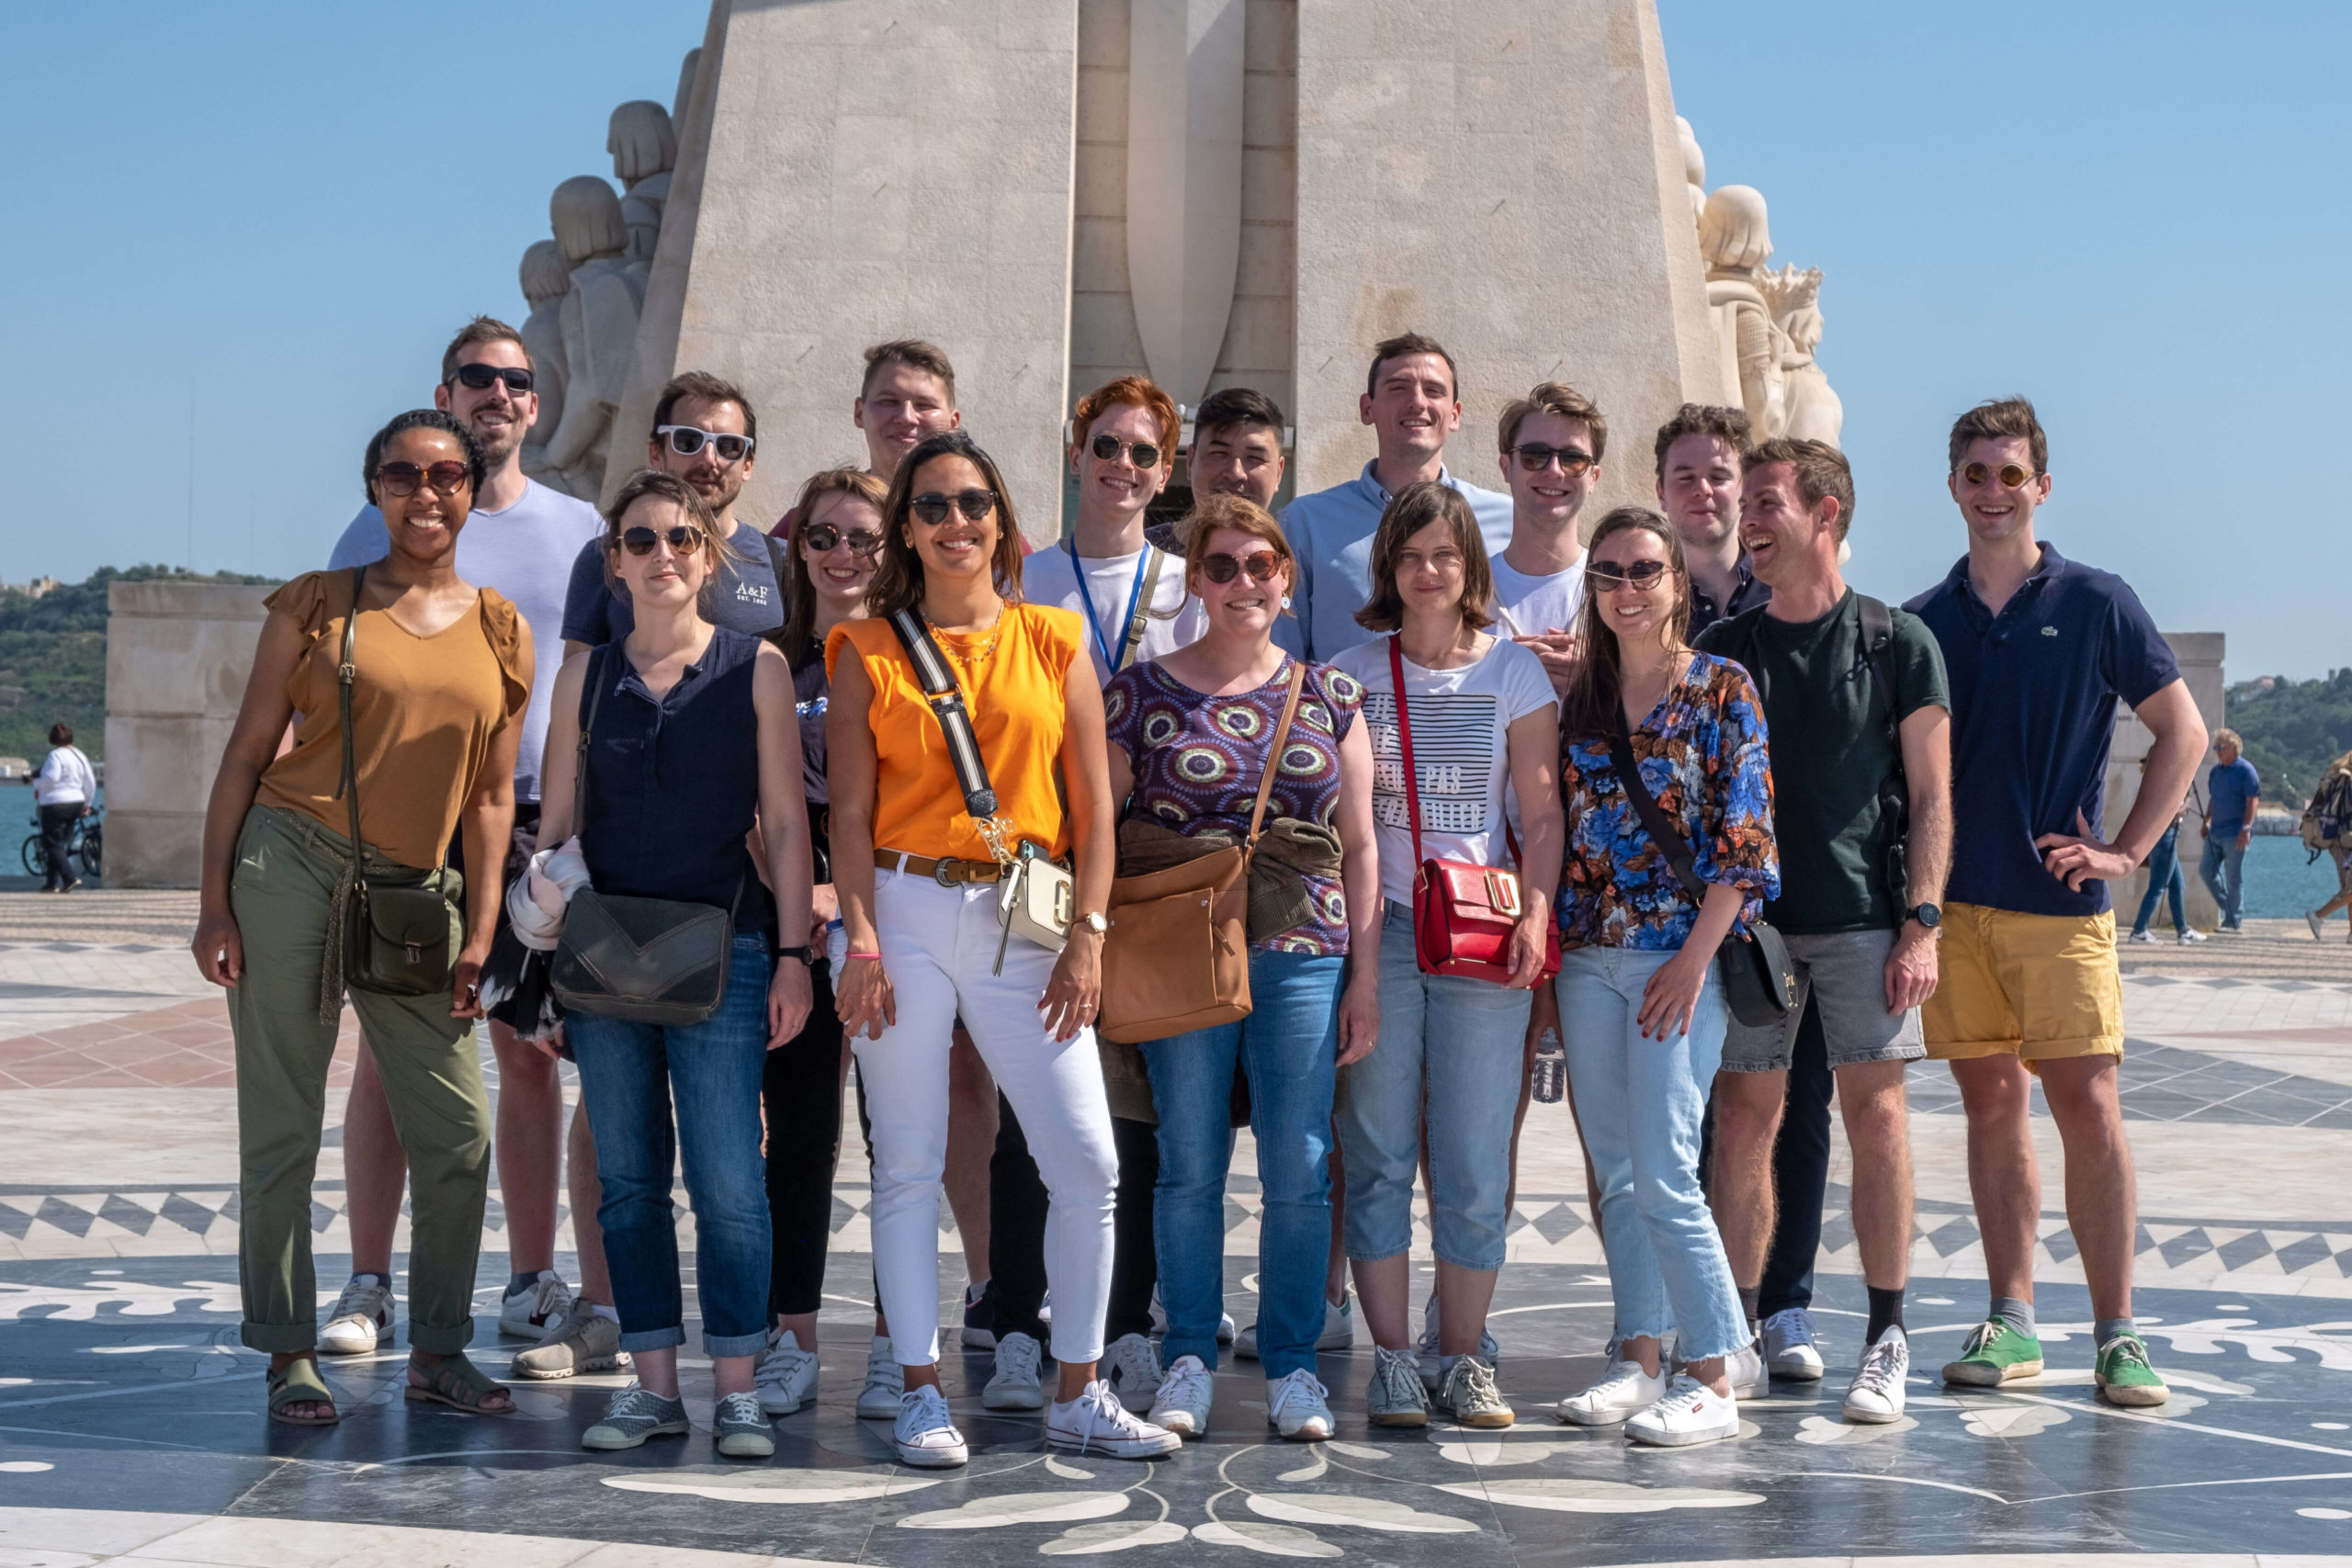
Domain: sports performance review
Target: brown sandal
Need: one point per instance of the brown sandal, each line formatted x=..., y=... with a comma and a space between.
x=298, y=1382
x=460, y=1384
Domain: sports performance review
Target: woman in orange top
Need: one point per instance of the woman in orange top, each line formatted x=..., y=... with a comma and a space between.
x=919, y=882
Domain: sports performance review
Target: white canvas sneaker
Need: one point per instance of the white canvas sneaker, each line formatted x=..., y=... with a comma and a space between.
x=1690, y=1413
x=885, y=1383
x=1095, y=1422
x=1790, y=1350
x=1016, y=1385
x=1133, y=1365
x=1182, y=1406
x=1394, y=1396
x=1875, y=1396
x=528, y=1312
x=924, y=1435
x=1298, y=1407
x=1745, y=1368
x=786, y=1376
x=361, y=1320
x=1623, y=1392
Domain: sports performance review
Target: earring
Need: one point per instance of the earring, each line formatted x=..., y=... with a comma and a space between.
x=1286, y=601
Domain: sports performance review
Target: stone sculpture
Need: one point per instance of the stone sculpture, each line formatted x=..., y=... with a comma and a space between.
x=1734, y=242
x=1694, y=167
x=546, y=280
x=598, y=316
x=1811, y=409
x=644, y=146
x=684, y=100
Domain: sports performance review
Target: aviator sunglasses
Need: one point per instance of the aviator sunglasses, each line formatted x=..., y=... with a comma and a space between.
x=1222, y=568
x=1641, y=574
x=821, y=537
x=404, y=480
x=686, y=440
x=2013, y=476
x=681, y=540
x=932, y=507
x=1534, y=456
x=479, y=376
x=1142, y=453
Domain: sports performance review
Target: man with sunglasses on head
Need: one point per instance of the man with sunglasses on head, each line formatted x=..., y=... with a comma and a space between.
x=520, y=540
x=908, y=392
x=1552, y=442
x=2040, y=651
x=1412, y=399
x=1698, y=456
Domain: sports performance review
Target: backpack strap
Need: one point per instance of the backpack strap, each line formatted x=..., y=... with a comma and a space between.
x=947, y=700
x=779, y=562
x=1877, y=651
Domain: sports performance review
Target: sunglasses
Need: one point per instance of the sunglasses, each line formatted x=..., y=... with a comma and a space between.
x=685, y=441
x=1534, y=456
x=681, y=540
x=932, y=507
x=1142, y=453
x=405, y=480
x=1222, y=568
x=822, y=537
x=1641, y=574
x=2013, y=476
x=479, y=377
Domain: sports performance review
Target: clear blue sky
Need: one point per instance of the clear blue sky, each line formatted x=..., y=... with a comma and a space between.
x=2132, y=214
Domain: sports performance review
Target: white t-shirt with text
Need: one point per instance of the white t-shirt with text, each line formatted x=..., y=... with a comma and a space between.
x=1048, y=578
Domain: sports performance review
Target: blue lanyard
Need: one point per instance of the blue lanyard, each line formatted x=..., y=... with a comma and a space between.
x=1135, y=592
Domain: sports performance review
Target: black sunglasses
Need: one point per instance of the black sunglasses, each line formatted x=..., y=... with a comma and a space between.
x=479, y=376
x=1534, y=456
x=1142, y=453
x=932, y=507
x=822, y=537
x=686, y=440
x=681, y=540
x=1223, y=567
x=405, y=480
x=1605, y=575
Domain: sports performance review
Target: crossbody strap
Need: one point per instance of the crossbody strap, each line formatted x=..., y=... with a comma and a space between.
x=1663, y=833
x=346, y=672
x=597, y=668
x=1405, y=744
x=947, y=700
x=1275, y=755
x=1140, y=594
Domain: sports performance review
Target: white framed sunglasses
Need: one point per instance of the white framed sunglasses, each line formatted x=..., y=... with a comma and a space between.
x=686, y=440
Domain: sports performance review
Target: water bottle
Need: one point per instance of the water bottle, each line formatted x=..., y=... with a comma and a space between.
x=1551, y=1068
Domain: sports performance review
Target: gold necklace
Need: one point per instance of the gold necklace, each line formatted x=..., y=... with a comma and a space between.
x=976, y=655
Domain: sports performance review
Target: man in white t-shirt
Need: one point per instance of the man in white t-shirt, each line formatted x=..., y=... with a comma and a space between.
x=1552, y=442
x=520, y=539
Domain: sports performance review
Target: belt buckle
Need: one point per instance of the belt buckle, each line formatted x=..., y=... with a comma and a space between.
x=939, y=872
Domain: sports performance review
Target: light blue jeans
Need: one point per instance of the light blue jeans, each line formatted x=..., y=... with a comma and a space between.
x=2222, y=869
x=1452, y=1050
x=1639, y=1103
x=1288, y=1047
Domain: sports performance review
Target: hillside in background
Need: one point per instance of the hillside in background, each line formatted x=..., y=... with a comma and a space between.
x=2293, y=730
x=54, y=657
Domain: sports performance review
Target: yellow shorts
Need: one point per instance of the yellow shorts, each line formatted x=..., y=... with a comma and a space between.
x=2033, y=987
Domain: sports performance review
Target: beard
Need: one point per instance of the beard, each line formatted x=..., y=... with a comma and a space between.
x=499, y=442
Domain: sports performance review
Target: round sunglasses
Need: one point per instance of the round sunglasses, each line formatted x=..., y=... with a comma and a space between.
x=820, y=537
x=1221, y=567
x=681, y=540
x=1142, y=453
x=2013, y=476
x=405, y=480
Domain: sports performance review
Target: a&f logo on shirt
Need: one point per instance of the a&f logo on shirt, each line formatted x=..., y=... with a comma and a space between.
x=751, y=592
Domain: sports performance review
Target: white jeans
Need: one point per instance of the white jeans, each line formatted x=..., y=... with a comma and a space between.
x=939, y=947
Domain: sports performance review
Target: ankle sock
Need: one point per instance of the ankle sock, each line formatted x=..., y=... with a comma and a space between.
x=610, y=1314
x=1747, y=1298
x=2108, y=1329
x=974, y=1294
x=521, y=1282
x=365, y=1278
x=2018, y=1314
x=1887, y=1312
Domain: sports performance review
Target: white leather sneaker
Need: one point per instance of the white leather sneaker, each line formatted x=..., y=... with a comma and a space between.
x=361, y=1320
x=785, y=1378
x=528, y=1313
x=1690, y=1413
x=1623, y=1392
x=1298, y=1407
x=1875, y=1397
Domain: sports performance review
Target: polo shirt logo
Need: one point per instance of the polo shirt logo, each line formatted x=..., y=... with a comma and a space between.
x=2049, y=631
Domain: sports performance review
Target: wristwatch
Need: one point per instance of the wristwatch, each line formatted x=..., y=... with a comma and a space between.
x=1927, y=915
x=802, y=953
x=1093, y=921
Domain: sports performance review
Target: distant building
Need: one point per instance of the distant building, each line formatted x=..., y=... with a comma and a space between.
x=14, y=768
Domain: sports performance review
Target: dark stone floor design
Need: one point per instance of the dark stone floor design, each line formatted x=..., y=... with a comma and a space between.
x=128, y=1382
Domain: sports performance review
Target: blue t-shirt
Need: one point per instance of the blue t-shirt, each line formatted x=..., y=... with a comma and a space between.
x=1331, y=533
x=747, y=598
x=2229, y=788
x=2033, y=695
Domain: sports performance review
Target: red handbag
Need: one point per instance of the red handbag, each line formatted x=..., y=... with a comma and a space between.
x=1464, y=914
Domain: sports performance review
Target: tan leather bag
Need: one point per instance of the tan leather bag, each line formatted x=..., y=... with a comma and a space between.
x=1177, y=957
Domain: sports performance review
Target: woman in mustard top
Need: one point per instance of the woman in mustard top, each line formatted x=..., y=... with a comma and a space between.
x=917, y=884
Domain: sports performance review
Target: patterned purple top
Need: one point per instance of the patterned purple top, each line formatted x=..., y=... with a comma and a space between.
x=1198, y=760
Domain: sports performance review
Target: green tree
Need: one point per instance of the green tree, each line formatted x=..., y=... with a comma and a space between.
x=2292, y=731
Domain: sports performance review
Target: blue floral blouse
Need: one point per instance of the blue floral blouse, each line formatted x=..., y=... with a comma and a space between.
x=1702, y=754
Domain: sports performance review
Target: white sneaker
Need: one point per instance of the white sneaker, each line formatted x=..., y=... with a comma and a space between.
x=1225, y=1335
x=1876, y=1395
x=527, y=1314
x=1623, y=1392
x=1182, y=1406
x=1095, y=1422
x=924, y=1435
x=1016, y=1385
x=885, y=1383
x=2313, y=920
x=2143, y=935
x=1433, y=1365
x=1394, y=1396
x=1339, y=1330
x=1690, y=1413
x=785, y=1378
x=2191, y=934
x=1133, y=1365
x=1789, y=1348
x=1298, y=1408
x=1745, y=1368
x=361, y=1320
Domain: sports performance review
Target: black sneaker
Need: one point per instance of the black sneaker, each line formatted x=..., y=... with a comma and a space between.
x=979, y=1318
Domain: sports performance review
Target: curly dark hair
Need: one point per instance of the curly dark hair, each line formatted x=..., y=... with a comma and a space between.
x=477, y=465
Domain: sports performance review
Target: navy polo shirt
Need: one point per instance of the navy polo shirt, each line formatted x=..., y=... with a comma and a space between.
x=2033, y=695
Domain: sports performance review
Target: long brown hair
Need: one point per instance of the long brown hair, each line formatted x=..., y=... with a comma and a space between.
x=1595, y=698
x=898, y=580
x=667, y=486
x=800, y=591
x=1410, y=510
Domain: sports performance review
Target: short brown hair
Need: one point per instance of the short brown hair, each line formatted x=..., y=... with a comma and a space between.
x=1397, y=347
x=1821, y=471
x=1997, y=419
x=1239, y=513
x=1703, y=419
x=481, y=329
x=913, y=353
x=664, y=486
x=801, y=593
x=898, y=579
x=1131, y=392
x=1411, y=509
x=703, y=386
x=1552, y=397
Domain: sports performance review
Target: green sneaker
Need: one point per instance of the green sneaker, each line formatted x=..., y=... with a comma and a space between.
x=2124, y=1376
x=1994, y=1354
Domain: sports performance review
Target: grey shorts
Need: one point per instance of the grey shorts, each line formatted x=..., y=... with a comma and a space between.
x=1845, y=974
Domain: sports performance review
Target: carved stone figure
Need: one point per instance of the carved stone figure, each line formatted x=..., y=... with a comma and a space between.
x=684, y=100
x=546, y=280
x=1812, y=410
x=644, y=146
x=1734, y=242
x=598, y=316
x=1694, y=167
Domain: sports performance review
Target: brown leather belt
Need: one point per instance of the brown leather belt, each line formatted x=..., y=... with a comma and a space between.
x=946, y=873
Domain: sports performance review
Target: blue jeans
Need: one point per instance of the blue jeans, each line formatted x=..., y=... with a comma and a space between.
x=630, y=1075
x=1287, y=1045
x=1639, y=1103
x=2164, y=881
x=2223, y=872
x=1453, y=1050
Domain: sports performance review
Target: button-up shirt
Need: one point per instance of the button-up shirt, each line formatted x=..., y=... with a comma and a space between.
x=1746, y=593
x=1331, y=533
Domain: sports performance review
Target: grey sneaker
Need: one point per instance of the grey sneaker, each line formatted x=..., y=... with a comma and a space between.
x=538, y=1306
x=1298, y=1407
x=786, y=1377
x=1394, y=1396
x=1134, y=1365
x=1016, y=1385
x=885, y=1383
x=361, y=1320
x=1432, y=1364
x=1182, y=1406
x=636, y=1413
x=741, y=1428
x=1790, y=1351
x=1470, y=1396
x=583, y=1342
x=2318, y=933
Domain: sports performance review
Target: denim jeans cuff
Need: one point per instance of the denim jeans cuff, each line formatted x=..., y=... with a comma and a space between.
x=1356, y=1256
x=1476, y=1265
x=668, y=1339
x=733, y=1344
x=1170, y=1349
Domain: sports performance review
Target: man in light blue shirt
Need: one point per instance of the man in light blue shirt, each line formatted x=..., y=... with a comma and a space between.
x=1412, y=400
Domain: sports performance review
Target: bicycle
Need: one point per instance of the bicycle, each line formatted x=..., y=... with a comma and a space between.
x=86, y=844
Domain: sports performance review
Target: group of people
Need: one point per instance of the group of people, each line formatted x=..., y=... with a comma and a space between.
x=1642, y=750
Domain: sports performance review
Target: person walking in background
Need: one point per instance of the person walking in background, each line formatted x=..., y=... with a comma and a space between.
x=2166, y=881
x=440, y=676
x=2327, y=828
x=1638, y=987
x=2233, y=793
x=1474, y=719
x=64, y=791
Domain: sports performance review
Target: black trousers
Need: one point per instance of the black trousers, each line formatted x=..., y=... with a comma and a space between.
x=1017, y=1203
x=801, y=1087
x=1799, y=1173
x=56, y=832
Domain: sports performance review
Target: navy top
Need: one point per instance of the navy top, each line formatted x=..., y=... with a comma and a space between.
x=2227, y=792
x=2033, y=694
x=747, y=596
x=674, y=783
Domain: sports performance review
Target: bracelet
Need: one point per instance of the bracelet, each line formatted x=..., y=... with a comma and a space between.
x=874, y=957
